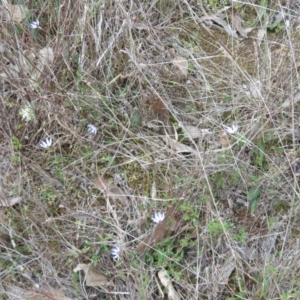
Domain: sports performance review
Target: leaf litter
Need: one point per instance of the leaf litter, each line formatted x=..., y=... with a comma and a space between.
x=10, y=202
x=178, y=147
x=14, y=11
x=92, y=277
x=237, y=22
x=17, y=293
x=182, y=64
x=167, y=283
x=110, y=189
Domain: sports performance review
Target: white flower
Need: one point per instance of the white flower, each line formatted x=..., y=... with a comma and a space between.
x=92, y=129
x=46, y=143
x=35, y=24
x=27, y=113
x=231, y=130
x=115, y=252
x=158, y=217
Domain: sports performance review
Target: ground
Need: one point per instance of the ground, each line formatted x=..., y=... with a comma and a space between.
x=149, y=150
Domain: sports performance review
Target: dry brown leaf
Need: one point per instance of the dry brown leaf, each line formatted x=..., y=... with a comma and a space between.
x=253, y=89
x=49, y=295
x=11, y=71
x=237, y=22
x=260, y=35
x=16, y=293
x=16, y=12
x=25, y=65
x=159, y=231
x=92, y=277
x=225, y=141
x=47, y=176
x=222, y=23
x=292, y=100
x=153, y=238
x=192, y=131
x=10, y=202
x=158, y=106
x=110, y=189
x=167, y=283
x=179, y=147
x=219, y=275
x=182, y=64
x=223, y=271
x=46, y=55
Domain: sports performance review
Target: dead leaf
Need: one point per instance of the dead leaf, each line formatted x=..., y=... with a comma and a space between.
x=222, y=23
x=16, y=12
x=182, y=64
x=225, y=141
x=292, y=100
x=47, y=176
x=260, y=35
x=178, y=147
x=192, y=131
x=159, y=231
x=220, y=274
x=16, y=293
x=110, y=189
x=158, y=106
x=45, y=58
x=167, y=283
x=10, y=202
x=153, y=238
x=92, y=277
x=54, y=294
x=252, y=88
x=223, y=271
x=46, y=55
x=237, y=22
x=11, y=71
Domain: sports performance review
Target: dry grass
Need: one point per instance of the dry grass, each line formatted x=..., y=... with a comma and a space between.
x=160, y=85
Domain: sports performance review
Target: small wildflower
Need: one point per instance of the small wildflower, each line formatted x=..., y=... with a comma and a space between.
x=231, y=130
x=27, y=113
x=92, y=129
x=35, y=25
x=46, y=143
x=115, y=252
x=158, y=217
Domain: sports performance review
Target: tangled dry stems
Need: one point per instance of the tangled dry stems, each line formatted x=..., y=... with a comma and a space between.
x=113, y=67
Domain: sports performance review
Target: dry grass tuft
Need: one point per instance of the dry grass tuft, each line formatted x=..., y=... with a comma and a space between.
x=162, y=82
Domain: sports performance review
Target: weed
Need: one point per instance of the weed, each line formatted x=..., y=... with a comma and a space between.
x=215, y=227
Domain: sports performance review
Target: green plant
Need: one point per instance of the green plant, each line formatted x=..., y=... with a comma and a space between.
x=240, y=236
x=253, y=197
x=216, y=227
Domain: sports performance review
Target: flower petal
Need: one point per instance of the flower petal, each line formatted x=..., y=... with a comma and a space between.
x=92, y=129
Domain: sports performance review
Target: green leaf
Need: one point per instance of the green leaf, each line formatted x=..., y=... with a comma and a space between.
x=253, y=193
x=16, y=143
x=253, y=196
x=261, y=155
